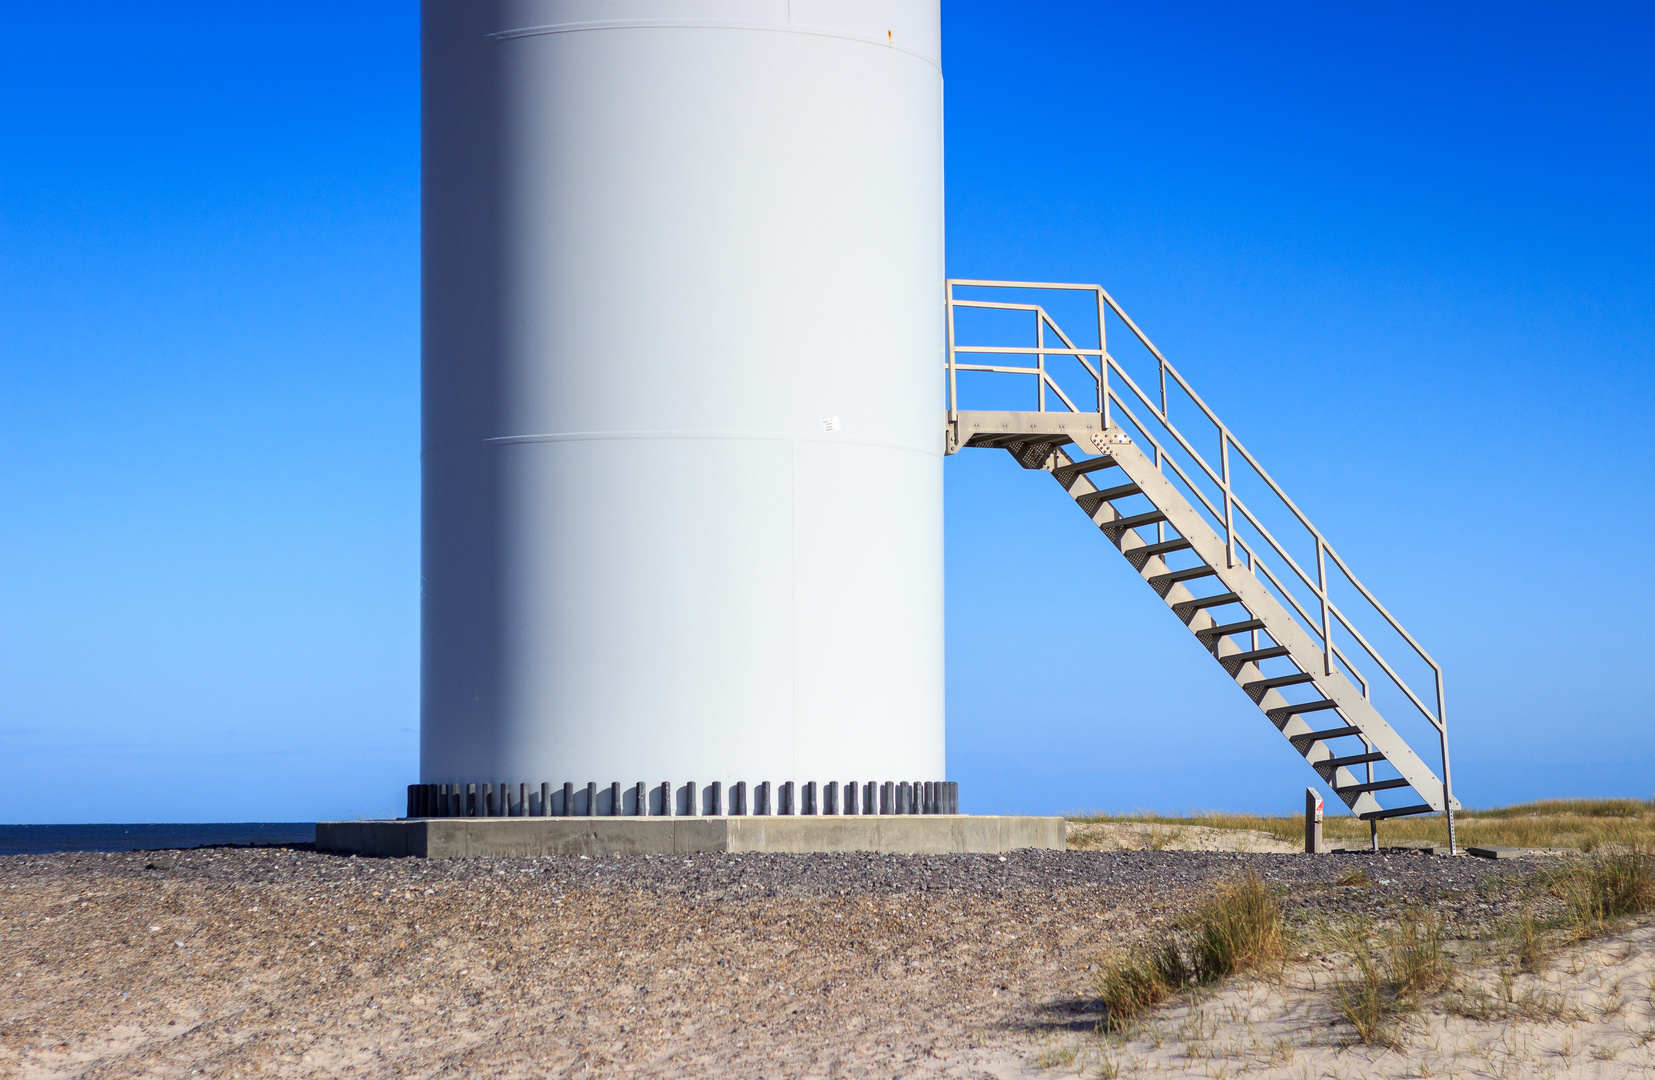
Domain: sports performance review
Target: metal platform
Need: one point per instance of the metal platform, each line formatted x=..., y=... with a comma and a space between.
x=900, y=834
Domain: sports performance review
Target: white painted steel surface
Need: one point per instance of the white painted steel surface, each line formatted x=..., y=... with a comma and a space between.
x=665, y=243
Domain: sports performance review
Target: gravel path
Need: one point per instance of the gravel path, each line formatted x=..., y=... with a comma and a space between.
x=293, y=963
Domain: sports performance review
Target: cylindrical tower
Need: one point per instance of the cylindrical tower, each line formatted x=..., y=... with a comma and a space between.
x=683, y=295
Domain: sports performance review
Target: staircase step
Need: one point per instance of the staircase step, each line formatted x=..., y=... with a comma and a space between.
x=1031, y=449
x=1154, y=491
x=1261, y=685
x=1161, y=547
x=1034, y=453
x=1089, y=502
x=1376, y=785
x=1401, y=811
x=1136, y=521
x=1310, y=738
x=1212, y=633
x=1252, y=623
x=1255, y=655
x=1281, y=714
x=1199, y=602
x=1346, y=762
x=1000, y=440
x=1173, y=578
x=1066, y=473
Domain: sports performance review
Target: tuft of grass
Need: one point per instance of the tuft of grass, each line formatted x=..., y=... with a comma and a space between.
x=1475, y=1004
x=1613, y=1003
x=1600, y=892
x=1363, y=1000
x=1544, y=1006
x=1237, y=927
x=1396, y=969
x=1062, y=1057
x=1529, y=944
x=1131, y=985
x=1419, y=964
x=1354, y=879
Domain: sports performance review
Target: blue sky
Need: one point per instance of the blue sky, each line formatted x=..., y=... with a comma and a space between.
x=1406, y=251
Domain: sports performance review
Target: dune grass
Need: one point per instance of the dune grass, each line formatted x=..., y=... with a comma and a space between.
x=1396, y=968
x=1237, y=927
x=1598, y=894
x=1400, y=960
x=1581, y=824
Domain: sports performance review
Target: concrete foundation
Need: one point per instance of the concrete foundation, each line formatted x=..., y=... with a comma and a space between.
x=919, y=834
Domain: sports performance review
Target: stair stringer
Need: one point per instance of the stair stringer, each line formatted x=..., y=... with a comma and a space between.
x=1261, y=604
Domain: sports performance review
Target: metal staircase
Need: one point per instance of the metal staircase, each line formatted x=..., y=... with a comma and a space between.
x=1268, y=619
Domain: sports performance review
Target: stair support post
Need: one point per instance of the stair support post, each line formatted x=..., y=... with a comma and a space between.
x=1447, y=790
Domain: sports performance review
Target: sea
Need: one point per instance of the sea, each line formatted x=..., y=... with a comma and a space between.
x=42, y=839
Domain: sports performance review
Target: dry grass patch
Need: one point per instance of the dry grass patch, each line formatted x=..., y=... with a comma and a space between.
x=1132, y=984
x=1531, y=946
x=1397, y=968
x=1598, y=894
x=1238, y=927
x=1059, y=1057
x=1582, y=824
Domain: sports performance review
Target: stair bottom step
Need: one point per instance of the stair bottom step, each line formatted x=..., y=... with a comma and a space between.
x=1400, y=811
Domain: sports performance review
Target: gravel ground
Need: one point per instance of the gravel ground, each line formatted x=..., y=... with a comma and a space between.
x=288, y=962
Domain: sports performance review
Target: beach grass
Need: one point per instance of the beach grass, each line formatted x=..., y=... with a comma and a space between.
x=1579, y=824
x=1396, y=967
x=1237, y=927
x=1600, y=893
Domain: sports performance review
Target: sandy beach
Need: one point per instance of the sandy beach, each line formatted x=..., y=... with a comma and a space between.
x=285, y=962
x=1590, y=1014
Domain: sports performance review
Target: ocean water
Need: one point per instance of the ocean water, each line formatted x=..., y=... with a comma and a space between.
x=39, y=839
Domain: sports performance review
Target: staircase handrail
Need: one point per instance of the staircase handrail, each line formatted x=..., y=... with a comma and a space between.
x=1107, y=397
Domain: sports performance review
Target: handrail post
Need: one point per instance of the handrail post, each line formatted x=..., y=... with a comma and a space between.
x=1373, y=823
x=1103, y=362
x=1040, y=360
x=1160, y=526
x=953, y=377
x=1224, y=470
x=1161, y=373
x=1447, y=781
x=1321, y=595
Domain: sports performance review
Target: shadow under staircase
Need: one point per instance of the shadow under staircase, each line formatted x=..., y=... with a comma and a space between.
x=1267, y=619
